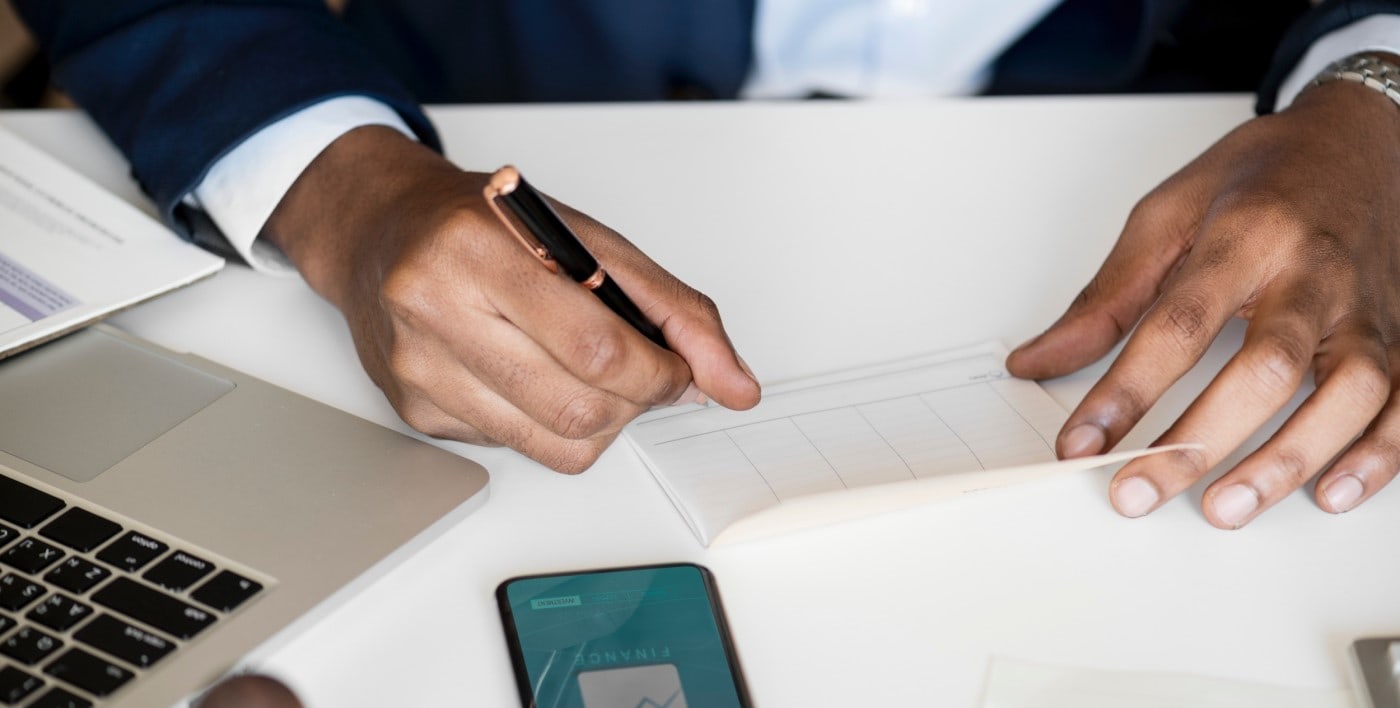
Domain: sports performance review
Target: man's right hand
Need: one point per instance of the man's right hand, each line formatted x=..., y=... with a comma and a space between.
x=466, y=333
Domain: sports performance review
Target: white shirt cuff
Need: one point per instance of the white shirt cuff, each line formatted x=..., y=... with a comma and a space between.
x=241, y=190
x=1377, y=33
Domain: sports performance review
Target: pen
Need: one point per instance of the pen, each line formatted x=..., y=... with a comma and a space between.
x=557, y=247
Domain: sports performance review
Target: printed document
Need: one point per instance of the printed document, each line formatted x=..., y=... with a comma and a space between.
x=72, y=253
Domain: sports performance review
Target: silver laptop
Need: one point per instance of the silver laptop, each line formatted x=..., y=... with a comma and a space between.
x=162, y=516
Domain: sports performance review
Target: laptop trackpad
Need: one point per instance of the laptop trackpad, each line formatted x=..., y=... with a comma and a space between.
x=80, y=404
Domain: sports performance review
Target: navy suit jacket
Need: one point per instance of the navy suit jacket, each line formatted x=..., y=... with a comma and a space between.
x=176, y=84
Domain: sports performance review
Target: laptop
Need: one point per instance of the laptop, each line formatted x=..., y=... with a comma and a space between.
x=162, y=516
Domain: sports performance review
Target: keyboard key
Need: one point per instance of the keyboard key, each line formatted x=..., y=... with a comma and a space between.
x=24, y=505
x=15, y=685
x=29, y=646
x=129, y=643
x=226, y=591
x=59, y=613
x=7, y=535
x=77, y=575
x=7, y=623
x=132, y=551
x=179, y=571
x=143, y=604
x=59, y=698
x=80, y=529
x=96, y=676
x=16, y=592
x=31, y=555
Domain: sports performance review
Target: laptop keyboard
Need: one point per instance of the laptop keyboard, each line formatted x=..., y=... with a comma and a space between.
x=87, y=604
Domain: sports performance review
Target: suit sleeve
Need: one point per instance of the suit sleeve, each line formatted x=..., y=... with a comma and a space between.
x=1325, y=17
x=175, y=85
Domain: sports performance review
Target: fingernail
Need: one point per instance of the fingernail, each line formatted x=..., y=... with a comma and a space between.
x=691, y=394
x=1134, y=497
x=1235, y=504
x=1344, y=491
x=1082, y=440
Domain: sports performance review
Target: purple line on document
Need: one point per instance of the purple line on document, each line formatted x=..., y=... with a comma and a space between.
x=28, y=294
x=20, y=306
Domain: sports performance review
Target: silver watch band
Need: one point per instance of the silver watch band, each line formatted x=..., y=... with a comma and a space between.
x=1382, y=76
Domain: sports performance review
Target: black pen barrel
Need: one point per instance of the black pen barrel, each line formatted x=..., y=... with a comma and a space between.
x=618, y=302
x=542, y=221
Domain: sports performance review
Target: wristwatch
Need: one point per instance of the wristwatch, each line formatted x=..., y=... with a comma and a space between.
x=1366, y=70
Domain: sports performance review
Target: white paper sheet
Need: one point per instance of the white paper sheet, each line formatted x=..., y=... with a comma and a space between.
x=855, y=444
x=71, y=252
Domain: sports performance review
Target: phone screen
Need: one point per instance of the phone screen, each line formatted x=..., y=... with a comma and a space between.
x=650, y=637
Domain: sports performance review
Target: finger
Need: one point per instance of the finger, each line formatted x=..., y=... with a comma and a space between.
x=423, y=415
x=248, y=691
x=1254, y=385
x=510, y=393
x=517, y=369
x=574, y=328
x=471, y=412
x=1355, y=388
x=1372, y=461
x=1210, y=288
x=1156, y=237
x=689, y=319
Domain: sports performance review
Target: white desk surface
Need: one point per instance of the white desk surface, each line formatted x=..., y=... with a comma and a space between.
x=831, y=235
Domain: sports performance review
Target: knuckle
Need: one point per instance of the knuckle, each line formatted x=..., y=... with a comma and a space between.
x=575, y=459
x=1365, y=382
x=421, y=417
x=600, y=354
x=1386, y=449
x=1277, y=364
x=696, y=309
x=1305, y=297
x=409, y=367
x=408, y=296
x=582, y=417
x=667, y=389
x=1153, y=210
x=1259, y=211
x=1127, y=401
x=704, y=304
x=1184, y=324
x=1328, y=251
x=1190, y=462
x=1293, y=466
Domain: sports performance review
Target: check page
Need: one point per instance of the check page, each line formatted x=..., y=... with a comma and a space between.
x=883, y=426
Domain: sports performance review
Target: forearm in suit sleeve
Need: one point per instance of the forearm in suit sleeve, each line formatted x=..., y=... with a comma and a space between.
x=177, y=84
x=1326, y=17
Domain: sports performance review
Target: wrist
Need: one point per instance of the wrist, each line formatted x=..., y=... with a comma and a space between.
x=1357, y=97
x=336, y=210
x=1372, y=71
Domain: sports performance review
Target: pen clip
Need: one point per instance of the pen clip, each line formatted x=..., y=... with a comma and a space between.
x=503, y=182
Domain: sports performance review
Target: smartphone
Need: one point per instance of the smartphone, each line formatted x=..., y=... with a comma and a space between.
x=651, y=636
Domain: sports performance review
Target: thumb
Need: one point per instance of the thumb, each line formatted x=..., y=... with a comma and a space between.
x=688, y=319
x=715, y=367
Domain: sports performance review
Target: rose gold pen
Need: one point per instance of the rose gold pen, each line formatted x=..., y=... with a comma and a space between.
x=557, y=247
